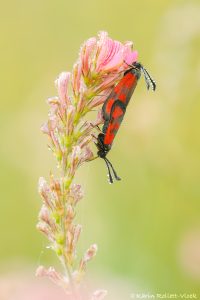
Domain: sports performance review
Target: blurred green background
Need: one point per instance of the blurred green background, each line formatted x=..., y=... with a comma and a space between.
x=147, y=226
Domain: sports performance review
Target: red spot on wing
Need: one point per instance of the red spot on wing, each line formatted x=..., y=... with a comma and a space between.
x=122, y=97
x=114, y=124
x=125, y=87
x=117, y=113
x=109, y=136
x=108, y=106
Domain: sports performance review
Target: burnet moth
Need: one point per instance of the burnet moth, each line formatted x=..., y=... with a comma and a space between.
x=114, y=109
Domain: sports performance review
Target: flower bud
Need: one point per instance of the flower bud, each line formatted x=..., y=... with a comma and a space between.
x=90, y=253
x=62, y=85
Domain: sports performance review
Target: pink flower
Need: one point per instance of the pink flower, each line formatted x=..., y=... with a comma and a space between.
x=129, y=55
x=69, y=213
x=46, y=230
x=76, y=78
x=100, y=63
x=44, y=191
x=109, y=53
x=45, y=128
x=44, y=214
x=85, y=55
x=76, y=234
x=70, y=113
x=90, y=253
x=103, y=55
x=62, y=83
x=46, y=220
x=87, y=154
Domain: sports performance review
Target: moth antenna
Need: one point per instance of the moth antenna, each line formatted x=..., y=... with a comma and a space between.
x=109, y=173
x=148, y=79
x=114, y=172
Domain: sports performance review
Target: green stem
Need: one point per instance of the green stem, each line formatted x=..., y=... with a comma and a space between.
x=65, y=263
